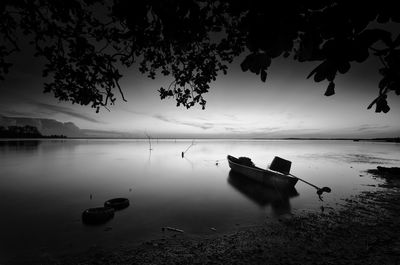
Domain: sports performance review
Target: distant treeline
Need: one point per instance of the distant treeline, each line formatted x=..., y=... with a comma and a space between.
x=391, y=140
x=24, y=132
x=395, y=140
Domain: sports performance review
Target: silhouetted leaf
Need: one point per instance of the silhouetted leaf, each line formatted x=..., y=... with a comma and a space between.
x=330, y=90
x=381, y=104
x=320, y=71
x=263, y=75
x=255, y=62
x=331, y=73
x=383, y=83
x=344, y=67
x=247, y=62
x=319, y=76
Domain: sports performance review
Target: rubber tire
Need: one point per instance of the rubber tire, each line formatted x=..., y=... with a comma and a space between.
x=97, y=215
x=117, y=203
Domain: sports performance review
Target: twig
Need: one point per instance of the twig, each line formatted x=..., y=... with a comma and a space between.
x=120, y=90
x=187, y=149
x=148, y=137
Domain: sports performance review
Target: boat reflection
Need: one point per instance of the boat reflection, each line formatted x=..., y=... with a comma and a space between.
x=262, y=195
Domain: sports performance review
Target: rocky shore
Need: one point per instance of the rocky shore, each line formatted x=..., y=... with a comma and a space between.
x=365, y=230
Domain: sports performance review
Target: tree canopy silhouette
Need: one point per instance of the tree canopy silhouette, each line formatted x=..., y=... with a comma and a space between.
x=86, y=42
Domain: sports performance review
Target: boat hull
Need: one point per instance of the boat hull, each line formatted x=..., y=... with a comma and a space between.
x=267, y=177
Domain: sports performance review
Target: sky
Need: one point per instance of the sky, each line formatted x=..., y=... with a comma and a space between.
x=239, y=105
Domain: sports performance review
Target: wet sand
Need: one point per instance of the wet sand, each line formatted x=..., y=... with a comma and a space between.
x=364, y=230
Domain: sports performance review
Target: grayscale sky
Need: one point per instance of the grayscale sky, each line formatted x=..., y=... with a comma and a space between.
x=238, y=105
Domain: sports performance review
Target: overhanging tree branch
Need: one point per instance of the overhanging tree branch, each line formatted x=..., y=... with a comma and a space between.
x=86, y=42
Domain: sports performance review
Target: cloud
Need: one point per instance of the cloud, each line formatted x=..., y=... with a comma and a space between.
x=236, y=126
x=231, y=117
x=269, y=131
x=134, y=111
x=239, y=127
x=233, y=129
x=8, y=112
x=201, y=125
x=367, y=127
x=109, y=134
x=64, y=110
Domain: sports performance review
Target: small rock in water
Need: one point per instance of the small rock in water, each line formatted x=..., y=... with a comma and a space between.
x=213, y=229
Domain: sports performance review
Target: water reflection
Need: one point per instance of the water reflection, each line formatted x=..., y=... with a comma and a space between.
x=20, y=145
x=262, y=195
x=62, y=177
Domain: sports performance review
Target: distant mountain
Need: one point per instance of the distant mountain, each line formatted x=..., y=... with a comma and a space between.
x=45, y=126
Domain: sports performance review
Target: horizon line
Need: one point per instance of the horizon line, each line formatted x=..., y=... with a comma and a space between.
x=208, y=138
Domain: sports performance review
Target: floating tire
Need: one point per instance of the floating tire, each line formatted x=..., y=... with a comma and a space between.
x=117, y=203
x=97, y=215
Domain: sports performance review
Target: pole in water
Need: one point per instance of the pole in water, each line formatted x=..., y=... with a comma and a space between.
x=187, y=149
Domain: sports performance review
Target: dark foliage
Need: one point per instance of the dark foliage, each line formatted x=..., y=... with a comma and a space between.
x=85, y=42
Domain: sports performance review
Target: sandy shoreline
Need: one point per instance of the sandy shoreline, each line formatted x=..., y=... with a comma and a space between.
x=364, y=231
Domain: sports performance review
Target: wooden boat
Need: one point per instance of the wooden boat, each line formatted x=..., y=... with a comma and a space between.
x=267, y=177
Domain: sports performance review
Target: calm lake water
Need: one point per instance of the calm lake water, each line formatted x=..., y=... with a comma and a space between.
x=45, y=186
